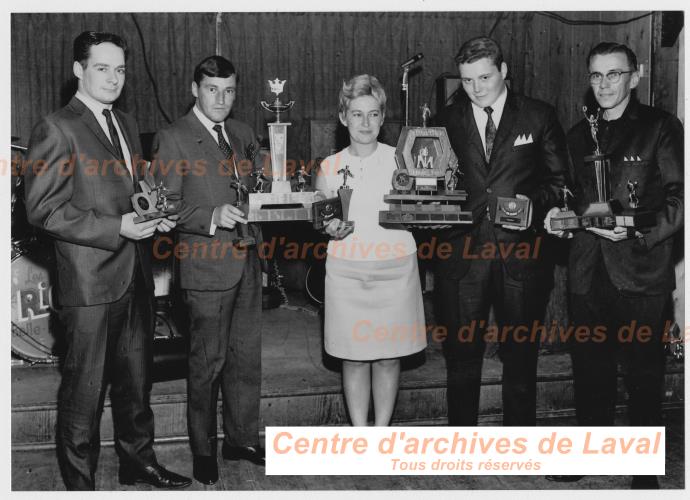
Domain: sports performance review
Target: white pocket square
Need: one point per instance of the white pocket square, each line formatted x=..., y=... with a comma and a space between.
x=521, y=140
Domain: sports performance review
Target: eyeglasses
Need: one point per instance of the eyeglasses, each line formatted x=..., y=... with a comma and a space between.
x=612, y=76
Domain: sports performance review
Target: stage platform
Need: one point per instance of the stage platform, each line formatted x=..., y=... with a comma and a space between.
x=302, y=386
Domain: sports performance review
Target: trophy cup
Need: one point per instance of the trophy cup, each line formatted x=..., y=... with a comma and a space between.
x=281, y=203
x=155, y=201
x=426, y=182
x=605, y=212
x=323, y=211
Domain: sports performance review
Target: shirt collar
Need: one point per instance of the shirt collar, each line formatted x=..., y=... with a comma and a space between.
x=91, y=103
x=205, y=121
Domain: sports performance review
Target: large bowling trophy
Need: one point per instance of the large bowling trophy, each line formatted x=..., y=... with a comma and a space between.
x=605, y=212
x=426, y=185
x=281, y=203
x=155, y=201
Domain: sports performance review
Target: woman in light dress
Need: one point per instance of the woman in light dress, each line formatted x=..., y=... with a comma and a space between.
x=373, y=301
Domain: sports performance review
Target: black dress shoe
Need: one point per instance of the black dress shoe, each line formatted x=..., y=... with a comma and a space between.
x=153, y=474
x=644, y=483
x=254, y=454
x=205, y=469
x=564, y=478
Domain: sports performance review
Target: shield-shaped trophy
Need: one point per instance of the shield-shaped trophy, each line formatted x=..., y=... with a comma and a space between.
x=426, y=185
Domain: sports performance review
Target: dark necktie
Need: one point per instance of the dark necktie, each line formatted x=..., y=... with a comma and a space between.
x=222, y=143
x=490, y=133
x=114, y=137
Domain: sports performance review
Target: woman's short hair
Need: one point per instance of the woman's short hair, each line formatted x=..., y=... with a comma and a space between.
x=358, y=86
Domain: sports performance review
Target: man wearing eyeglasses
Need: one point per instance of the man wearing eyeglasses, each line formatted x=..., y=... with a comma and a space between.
x=623, y=281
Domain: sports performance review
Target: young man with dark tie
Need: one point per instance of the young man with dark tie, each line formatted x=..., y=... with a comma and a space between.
x=212, y=157
x=510, y=146
x=104, y=280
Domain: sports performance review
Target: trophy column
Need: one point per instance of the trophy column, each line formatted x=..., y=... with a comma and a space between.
x=281, y=204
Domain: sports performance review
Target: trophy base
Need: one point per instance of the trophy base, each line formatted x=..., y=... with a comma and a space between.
x=279, y=207
x=603, y=216
x=513, y=212
x=151, y=216
x=244, y=241
x=425, y=209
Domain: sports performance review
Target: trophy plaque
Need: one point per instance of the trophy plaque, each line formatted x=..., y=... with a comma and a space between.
x=155, y=201
x=605, y=212
x=515, y=212
x=324, y=211
x=281, y=203
x=426, y=182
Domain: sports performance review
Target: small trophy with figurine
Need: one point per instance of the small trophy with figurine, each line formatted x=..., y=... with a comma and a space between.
x=155, y=201
x=338, y=207
x=427, y=183
x=241, y=240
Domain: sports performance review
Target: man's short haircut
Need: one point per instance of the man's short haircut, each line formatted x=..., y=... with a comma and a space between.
x=213, y=67
x=479, y=48
x=81, y=49
x=605, y=48
x=358, y=86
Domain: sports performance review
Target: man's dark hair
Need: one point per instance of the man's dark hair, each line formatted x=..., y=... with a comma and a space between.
x=214, y=67
x=605, y=48
x=479, y=48
x=83, y=43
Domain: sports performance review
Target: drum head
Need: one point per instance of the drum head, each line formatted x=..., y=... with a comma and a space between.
x=33, y=320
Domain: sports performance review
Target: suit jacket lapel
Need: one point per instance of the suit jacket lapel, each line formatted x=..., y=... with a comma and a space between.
x=471, y=130
x=203, y=138
x=95, y=127
x=127, y=135
x=505, y=126
x=91, y=122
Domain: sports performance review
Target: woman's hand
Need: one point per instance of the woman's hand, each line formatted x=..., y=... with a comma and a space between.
x=338, y=229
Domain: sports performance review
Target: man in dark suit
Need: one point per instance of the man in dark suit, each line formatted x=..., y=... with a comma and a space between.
x=511, y=146
x=622, y=280
x=85, y=162
x=203, y=156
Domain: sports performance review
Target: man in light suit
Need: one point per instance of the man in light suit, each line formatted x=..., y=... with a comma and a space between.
x=623, y=279
x=203, y=156
x=512, y=146
x=85, y=162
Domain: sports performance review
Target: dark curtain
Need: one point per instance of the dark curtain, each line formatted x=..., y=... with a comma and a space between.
x=314, y=52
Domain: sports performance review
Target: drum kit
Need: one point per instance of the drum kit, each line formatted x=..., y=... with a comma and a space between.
x=36, y=330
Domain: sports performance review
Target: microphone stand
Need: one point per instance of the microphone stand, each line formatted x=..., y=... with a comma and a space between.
x=406, y=92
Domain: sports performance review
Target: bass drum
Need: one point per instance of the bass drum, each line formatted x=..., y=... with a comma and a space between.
x=34, y=323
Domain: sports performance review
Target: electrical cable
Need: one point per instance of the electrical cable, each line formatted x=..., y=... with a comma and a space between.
x=148, y=70
x=591, y=22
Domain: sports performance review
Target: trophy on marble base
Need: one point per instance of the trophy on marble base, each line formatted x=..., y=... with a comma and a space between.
x=155, y=201
x=426, y=182
x=605, y=212
x=281, y=203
